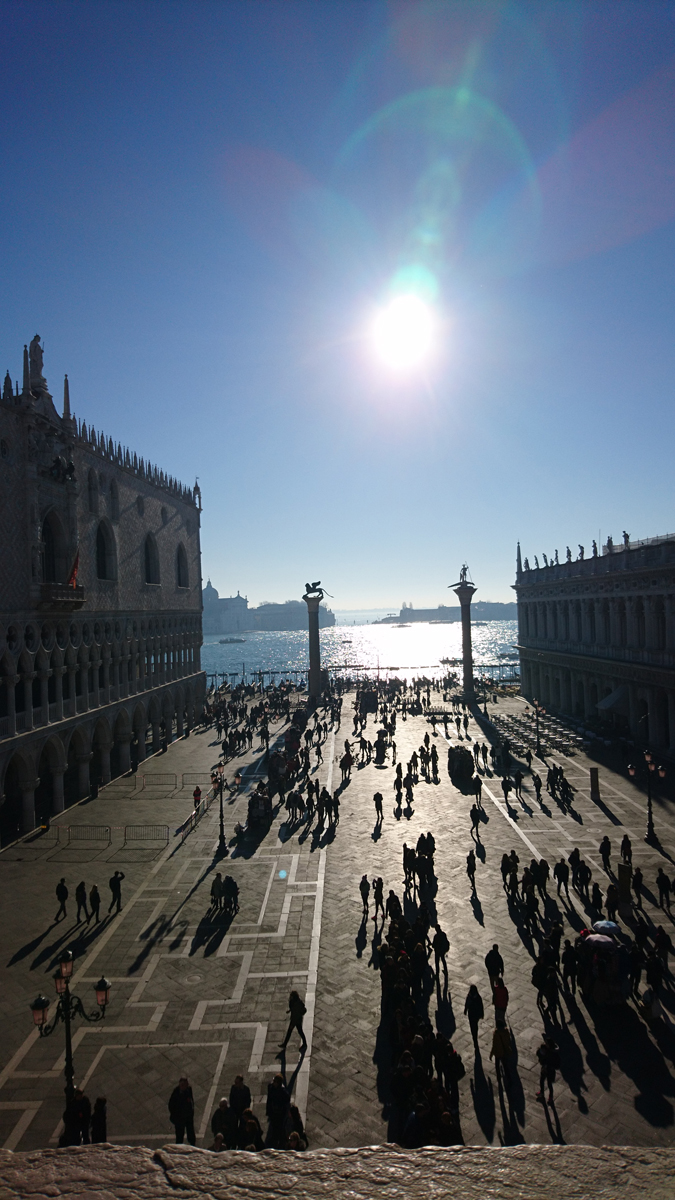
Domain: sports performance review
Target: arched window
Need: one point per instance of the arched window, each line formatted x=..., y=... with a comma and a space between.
x=151, y=560
x=114, y=501
x=92, y=491
x=182, y=575
x=106, y=557
x=54, y=551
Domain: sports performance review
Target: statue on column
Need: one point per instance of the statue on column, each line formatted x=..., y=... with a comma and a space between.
x=37, y=381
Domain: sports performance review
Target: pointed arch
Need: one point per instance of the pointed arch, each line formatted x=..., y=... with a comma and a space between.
x=151, y=560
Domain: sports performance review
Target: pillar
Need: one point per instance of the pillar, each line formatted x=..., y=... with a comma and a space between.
x=28, y=678
x=59, y=672
x=28, y=805
x=44, y=696
x=72, y=677
x=314, y=688
x=83, y=781
x=57, y=785
x=671, y=720
x=94, y=665
x=10, y=683
x=106, y=679
x=104, y=752
x=125, y=756
x=464, y=592
x=179, y=720
x=156, y=740
x=140, y=734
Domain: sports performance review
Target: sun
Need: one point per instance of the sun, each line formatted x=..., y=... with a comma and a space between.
x=403, y=333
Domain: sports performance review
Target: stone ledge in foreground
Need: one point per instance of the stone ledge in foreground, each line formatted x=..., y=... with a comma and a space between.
x=469, y=1173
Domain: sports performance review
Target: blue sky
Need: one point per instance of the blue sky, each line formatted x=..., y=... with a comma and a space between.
x=202, y=205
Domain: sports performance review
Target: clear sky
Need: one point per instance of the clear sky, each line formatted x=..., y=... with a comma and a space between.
x=203, y=205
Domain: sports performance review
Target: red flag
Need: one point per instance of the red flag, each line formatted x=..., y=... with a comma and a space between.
x=72, y=578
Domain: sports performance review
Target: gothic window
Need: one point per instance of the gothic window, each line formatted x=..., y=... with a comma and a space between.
x=92, y=491
x=182, y=576
x=640, y=622
x=106, y=557
x=659, y=623
x=151, y=560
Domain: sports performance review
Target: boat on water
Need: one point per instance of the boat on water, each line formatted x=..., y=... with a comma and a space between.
x=400, y=627
x=232, y=641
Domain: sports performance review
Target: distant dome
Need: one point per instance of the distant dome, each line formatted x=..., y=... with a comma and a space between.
x=209, y=592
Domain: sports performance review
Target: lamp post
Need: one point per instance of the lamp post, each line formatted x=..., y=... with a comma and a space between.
x=652, y=770
x=537, y=711
x=221, y=834
x=67, y=1008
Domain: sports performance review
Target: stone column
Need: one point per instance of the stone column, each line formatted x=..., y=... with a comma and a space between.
x=631, y=623
x=28, y=805
x=156, y=737
x=124, y=675
x=44, y=696
x=140, y=734
x=104, y=752
x=28, y=677
x=10, y=683
x=83, y=780
x=179, y=720
x=96, y=693
x=464, y=592
x=125, y=756
x=106, y=679
x=633, y=717
x=671, y=720
x=314, y=688
x=59, y=672
x=57, y=785
x=72, y=676
x=115, y=677
x=669, y=604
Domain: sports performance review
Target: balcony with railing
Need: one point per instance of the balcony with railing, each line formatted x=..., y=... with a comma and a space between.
x=59, y=597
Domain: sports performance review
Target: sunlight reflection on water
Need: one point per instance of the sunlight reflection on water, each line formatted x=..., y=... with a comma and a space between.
x=410, y=650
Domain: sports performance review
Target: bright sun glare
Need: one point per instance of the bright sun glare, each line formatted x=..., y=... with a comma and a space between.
x=403, y=332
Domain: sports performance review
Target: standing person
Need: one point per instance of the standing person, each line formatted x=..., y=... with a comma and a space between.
x=570, y=961
x=474, y=1010
x=182, y=1111
x=605, y=849
x=240, y=1096
x=95, y=902
x=197, y=798
x=441, y=945
x=471, y=869
x=626, y=849
x=297, y=1010
x=225, y=1123
x=364, y=888
x=494, y=964
x=561, y=872
x=99, y=1122
x=379, y=813
x=278, y=1110
x=500, y=1000
x=81, y=900
x=663, y=884
x=115, y=885
x=549, y=1061
x=378, y=896
x=501, y=1051
x=61, y=896
x=636, y=884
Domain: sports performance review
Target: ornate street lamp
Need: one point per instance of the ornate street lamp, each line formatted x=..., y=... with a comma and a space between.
x=652, y=770
x=222, y=848
x=67, y=1008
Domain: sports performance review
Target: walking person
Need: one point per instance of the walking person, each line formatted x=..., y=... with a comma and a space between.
x=494, y=964
x=471, y=869
x=378, y=896
x=663, y=884
x=61, y=896
x=379, y=812
x=626, y=849
x=474, y=1010
x=297, y=1010
x=636, y=884
x=182, y=1111
x=81, y=901
x=501, y=1051
x=549, y=1061
x=95, y=902
x=364, y=888
x=115, y=885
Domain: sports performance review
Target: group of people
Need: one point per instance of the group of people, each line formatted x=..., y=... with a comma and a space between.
x=94, y=897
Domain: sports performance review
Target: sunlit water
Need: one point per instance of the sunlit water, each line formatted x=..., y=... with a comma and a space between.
x=414, y=650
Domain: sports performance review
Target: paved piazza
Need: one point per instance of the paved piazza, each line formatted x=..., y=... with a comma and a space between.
x=191, y=993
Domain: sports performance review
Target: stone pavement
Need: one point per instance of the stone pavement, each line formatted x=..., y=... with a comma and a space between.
x=202, y=995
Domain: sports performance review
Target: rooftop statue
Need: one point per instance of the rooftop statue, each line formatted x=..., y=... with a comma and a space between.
x=38, y=383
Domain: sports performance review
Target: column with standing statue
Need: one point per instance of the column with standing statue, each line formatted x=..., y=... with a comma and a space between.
x=464, y=591
x=313, y=596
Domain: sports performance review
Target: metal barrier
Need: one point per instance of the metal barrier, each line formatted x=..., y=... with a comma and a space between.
x=197, y=778
x=89, y=833
x=159, y=780
x=146, y=833
x=195, y=817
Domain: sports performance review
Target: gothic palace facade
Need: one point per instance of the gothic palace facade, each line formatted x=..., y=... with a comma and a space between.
x=100, y=606
x=597, y=637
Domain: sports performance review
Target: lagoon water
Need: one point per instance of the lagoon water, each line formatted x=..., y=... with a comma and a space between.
x=406, y=651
